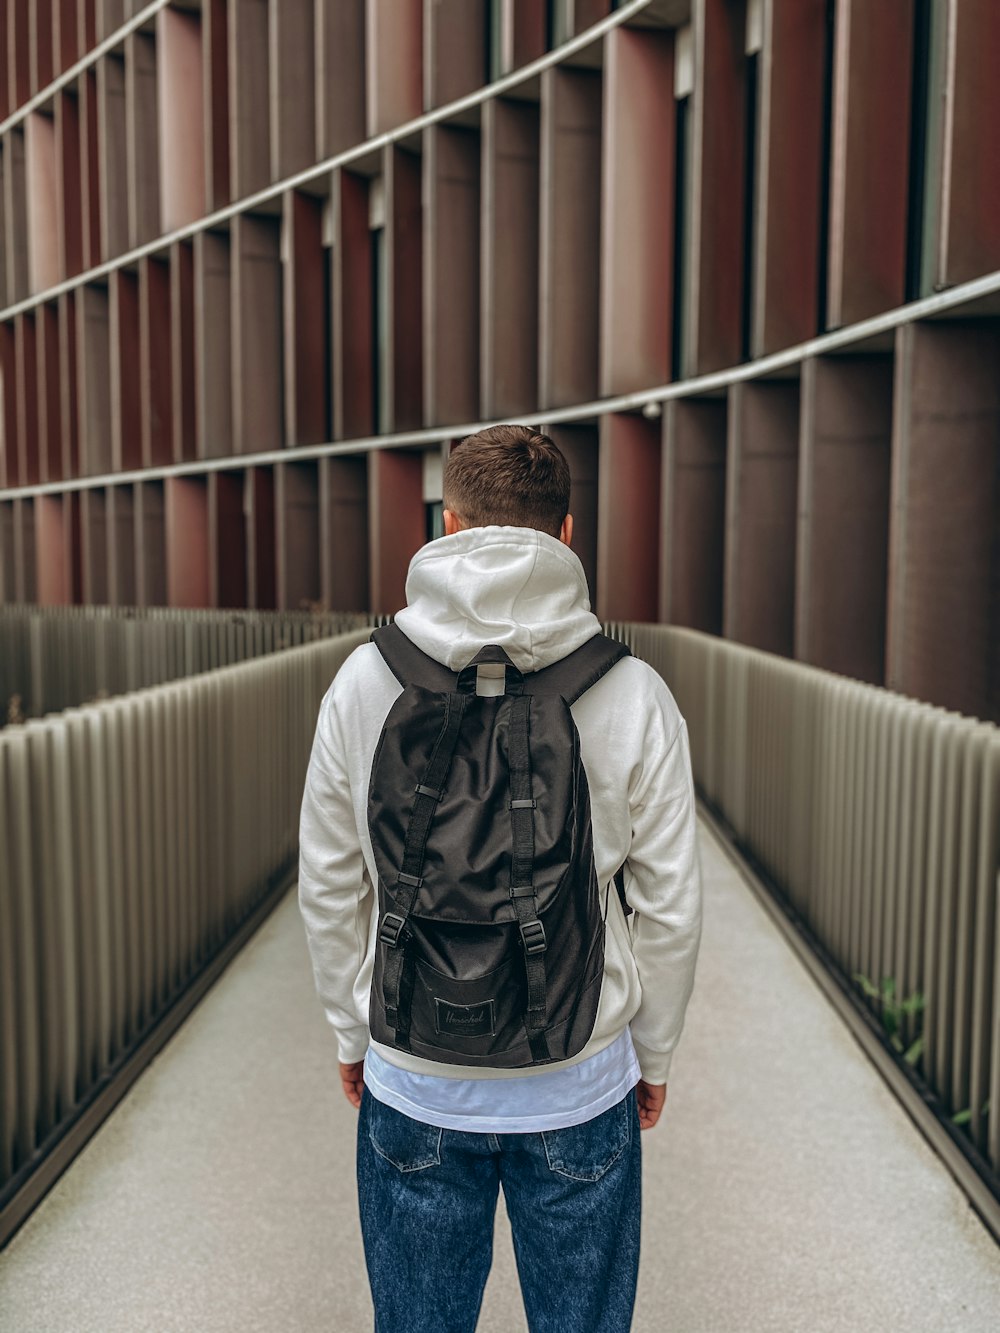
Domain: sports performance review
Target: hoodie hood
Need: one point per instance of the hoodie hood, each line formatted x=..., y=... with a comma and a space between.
x=516, y=587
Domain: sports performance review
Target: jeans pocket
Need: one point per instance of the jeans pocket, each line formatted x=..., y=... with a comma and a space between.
x=409, y=1145
x=588, y=1151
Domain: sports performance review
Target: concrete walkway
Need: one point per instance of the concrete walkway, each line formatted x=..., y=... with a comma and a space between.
x=785, y=1191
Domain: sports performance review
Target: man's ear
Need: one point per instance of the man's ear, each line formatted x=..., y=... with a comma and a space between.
x=566, y=531
x=452, y=523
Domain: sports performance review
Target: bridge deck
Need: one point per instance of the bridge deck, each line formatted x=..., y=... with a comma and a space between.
x=785, y=1189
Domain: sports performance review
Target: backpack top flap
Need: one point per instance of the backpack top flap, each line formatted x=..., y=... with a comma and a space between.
x=571, y=676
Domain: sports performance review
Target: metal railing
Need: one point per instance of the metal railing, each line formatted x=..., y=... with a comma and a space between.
x=141, y=837
x=138, y=837
x=53, y=658
x=876, y=819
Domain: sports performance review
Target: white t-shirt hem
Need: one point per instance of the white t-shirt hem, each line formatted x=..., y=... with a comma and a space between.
x=610, y=1087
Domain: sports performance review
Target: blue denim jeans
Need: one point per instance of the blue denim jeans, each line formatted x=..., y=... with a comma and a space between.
x=428, y=1197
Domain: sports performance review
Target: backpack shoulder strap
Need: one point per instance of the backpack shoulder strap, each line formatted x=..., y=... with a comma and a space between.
x=409, y=664
x=579, y=670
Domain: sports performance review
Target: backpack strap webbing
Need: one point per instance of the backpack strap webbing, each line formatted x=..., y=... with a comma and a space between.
x=574, y=674
x=620, y=886
x=409, y=664
x=392, y=932
x=522, y=876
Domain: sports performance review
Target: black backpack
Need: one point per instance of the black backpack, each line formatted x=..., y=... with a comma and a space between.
x=491, y=930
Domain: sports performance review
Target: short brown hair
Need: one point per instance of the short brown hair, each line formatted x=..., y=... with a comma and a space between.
x=510, y=476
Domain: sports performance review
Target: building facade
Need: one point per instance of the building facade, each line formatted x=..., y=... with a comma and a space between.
x=261, y=261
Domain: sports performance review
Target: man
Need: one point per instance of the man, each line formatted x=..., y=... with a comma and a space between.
x=436, y=1141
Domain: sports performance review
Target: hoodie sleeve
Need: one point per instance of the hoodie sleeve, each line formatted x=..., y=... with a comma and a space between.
x=664, y=888
x=333, y=888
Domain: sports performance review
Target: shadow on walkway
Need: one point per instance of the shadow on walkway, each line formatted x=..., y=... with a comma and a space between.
x=785, y=1189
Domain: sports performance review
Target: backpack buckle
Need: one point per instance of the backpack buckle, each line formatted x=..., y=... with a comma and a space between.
x=533, y=937
x=391, y=929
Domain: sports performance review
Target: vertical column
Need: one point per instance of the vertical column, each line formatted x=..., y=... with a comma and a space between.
x=16, y=577
x=637, y=201
x=396, y=523
x=24, y=541
x=18, y=51
x=569, y=282
x=110, y=17
x=112, y=150
x=9, y=468
x=126, y=407
x=90, y=169
x=51, y=552
x=509, y=305
x=293, y=87
x=259, y=506
x=870, y=159
x=215, y=101
x=74, y=541
x=306, y=343
x=340, y=75
x=228, y=539
x=41, y=45
x=69, y=185
x=213, y=344
x=789, y=169
x=403, y=249
x=524, y=31
x=121, y=546
x=588, y=12
x=256, y=333
x=183, y=407
x=693, y=513
x=6, y=99
x=16, y=215
x=26, y=352
x=249, y=79
x=142, y=138
x=844, y=515
x=762, y=484
x=49, y=393
x=395, y=63
x=94, y=537
x=65, y=33
x=151, y=544
x=451, y=275
x=581, y=448
x=970, y=233
x=88, y=24
x=298, y=527
x=344, y=533
x=181, y=118
x=628, y=518
x=93, y=379
x=453, y=49
x=353, y=342
x=5, y=299
x=944, y=563
x=8, y=592
x=187, y=541
x=69, y=392
x=714, y=305
x=43, y=225
x=155, y=371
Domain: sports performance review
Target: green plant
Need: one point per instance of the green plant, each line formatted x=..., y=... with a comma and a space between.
x=894, y=1012
x=963, y=1117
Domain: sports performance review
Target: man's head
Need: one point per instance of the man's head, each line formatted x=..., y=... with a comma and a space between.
x=508, y=476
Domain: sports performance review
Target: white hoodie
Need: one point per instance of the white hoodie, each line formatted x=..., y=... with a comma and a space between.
x=527, y=592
